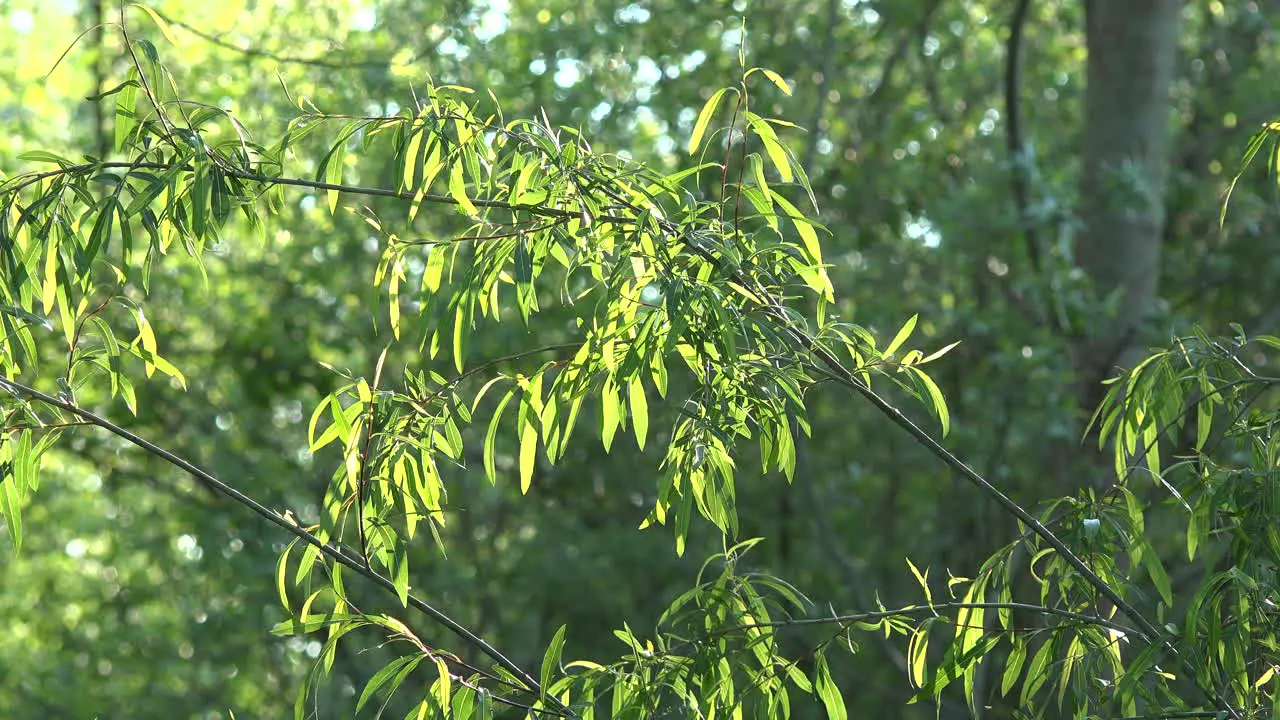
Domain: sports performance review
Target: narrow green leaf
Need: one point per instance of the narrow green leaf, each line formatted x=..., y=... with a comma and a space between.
x=528, y=451
x=1198, y=525
x=1159, y=578
x=282, y=572
x=609, y=413
x=160, y=23
x=26, y=316
x=49, y=286
x=902, y=336
x=381, y=677
x=458, y=190
x=803, y=225
x=461, y=324
x=777, y=80
x=923, y=579
x=298, y=626
x=832, y=699
x=431, y=168
x=147, y=336
x=778, y=156
x=393, y=297
x=416, y=134
x=491, y=437
x=12, y=510
x=434, y=272
x=200, y=197
x=938, y=400
x=939, y=353
x=1038, y=672
x=401, y=577
x=1204, y=423
x=639, y=405
x=66, y=311
x=315, y=421
x=704, y=118
x=126, y=109
x=443, y=685
x=551, y=658
x=100, y=235
x=44, y=156
x=917, y=655
x=1013, y=666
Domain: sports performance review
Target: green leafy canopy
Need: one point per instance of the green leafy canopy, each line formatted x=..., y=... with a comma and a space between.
x=693, y=310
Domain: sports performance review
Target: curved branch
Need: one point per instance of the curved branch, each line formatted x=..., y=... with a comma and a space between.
x=826, y=363
x=23, y=181
x=263, y=54
x=933, y=608
x=331, y=550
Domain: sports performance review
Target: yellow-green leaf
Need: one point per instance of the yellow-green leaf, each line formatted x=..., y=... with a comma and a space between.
x=393, y=299
x=1013, y=666
x=830, y=694
x=528, y=452
x=917, y=652
x=431, y=167
x=491, y=439
x=777, y=80
x=639, y=410
x=148, y=337
x=804, y=227
x=160, y=23
x=11, y=496
x=49, y=288
x=461, y=321
x=704, y=118
x=609, y=410
x=939, y=353
x=922, y=579
x=282, y=568
x=938, y=400
x=902, y=336
x=458, y=189
x=778, y=156
x=411, y=157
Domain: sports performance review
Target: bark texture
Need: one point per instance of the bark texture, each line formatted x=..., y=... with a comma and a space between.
x=1132, y=53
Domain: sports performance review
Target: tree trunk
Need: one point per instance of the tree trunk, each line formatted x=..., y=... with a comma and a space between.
x=1132, y=50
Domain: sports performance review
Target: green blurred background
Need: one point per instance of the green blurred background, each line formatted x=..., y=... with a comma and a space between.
x=138, y=594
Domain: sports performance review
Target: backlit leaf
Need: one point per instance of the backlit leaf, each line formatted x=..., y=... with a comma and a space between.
x=704, y=118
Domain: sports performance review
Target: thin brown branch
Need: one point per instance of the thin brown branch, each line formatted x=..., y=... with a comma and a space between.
x=935, y=607
x=21, y=182
x=265, y=55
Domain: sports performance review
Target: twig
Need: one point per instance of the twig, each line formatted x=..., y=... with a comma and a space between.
x=23, y=181
x=283, y=59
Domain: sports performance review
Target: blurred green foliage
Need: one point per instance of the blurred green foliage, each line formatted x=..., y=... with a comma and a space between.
x=138, y=593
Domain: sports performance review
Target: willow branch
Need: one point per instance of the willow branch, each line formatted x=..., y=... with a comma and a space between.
x=934, y=607
x=330, y=550
x=827, y=364
x=265, y=55
x=21, y=182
